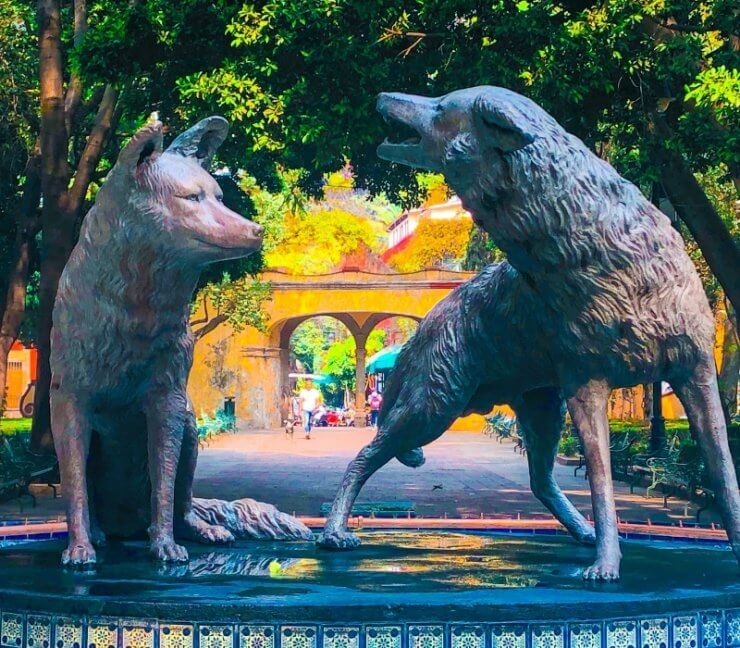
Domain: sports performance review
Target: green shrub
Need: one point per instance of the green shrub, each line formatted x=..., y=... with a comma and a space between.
x=568, y=445
x=15, y=426
x=209, y=426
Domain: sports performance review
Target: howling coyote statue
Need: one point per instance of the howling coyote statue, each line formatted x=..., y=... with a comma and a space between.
x=598, y=293
x=122, y=350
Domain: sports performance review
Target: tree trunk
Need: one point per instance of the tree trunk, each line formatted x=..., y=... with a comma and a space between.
x=695, y=209
x=647, y=401
x=27, y=226
x=55, y=176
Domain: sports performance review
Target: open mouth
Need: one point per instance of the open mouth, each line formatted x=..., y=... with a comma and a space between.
x=400, y=133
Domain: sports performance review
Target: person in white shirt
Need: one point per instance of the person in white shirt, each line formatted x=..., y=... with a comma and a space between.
x=310, y=397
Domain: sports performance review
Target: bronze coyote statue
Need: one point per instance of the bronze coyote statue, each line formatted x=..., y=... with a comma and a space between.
x=122, y=350
x=598, y=293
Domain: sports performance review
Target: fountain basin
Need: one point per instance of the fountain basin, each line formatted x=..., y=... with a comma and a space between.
x=401, y=589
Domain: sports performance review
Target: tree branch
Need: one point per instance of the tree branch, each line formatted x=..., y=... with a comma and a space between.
x=209, y=326
x=104, y=124
x=205, y=317
x=692, y=205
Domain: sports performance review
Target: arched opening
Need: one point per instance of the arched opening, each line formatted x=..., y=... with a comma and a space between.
x=335, y=345
x=323, y=347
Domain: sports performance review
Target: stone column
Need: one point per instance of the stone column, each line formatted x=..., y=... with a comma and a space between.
x=360, y=379
x=259, y=399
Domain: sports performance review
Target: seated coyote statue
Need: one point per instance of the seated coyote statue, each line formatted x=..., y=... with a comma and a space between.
x=122, y=349
x=598, y=293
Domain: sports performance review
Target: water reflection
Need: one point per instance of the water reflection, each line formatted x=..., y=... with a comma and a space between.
x=230, y=563
x=458, y=561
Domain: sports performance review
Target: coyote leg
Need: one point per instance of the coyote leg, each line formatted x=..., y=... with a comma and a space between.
x=166, y=410
x=187, y=522
x=370, y=459
x=700, y=397
x=541, y=414
x=588, y=407
x=72, y=434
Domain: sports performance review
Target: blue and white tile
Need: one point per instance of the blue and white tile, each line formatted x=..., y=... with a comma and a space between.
x=621, y=634
x=256, y=636
x=426, y=636
x=216, y=635
x=38, y=631
x=548, y=636
x=341, y=637
x=176, y=635
x=654, y=633
x=138, y=633
x=508, y=636
x=467, y=636
x=11, y=630
x=585, y=635
x=732, y=628
x=387, y=636
x=298, y=636
x=711, y=629
x=685, y=632
x=68, y=632
x=102, y=633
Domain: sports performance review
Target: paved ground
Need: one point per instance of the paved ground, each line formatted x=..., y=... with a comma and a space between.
x=465, y=475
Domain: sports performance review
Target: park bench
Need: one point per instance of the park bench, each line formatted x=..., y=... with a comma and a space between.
x=677, y=478
x=500, y=426
x=396, y=509
x=20, y=467
x=621, y=457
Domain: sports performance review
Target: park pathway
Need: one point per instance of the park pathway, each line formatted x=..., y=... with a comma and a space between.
x=466, y=475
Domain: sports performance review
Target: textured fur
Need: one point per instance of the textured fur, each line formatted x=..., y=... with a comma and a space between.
x=599, y=291
x=122, y=348
x=248, y=518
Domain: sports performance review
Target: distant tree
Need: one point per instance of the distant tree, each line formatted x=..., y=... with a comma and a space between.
x=338, y=362
x=434, y=243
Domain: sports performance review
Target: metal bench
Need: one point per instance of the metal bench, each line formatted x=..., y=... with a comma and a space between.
x=20, y=467
x=378, y=509
x=677, y=478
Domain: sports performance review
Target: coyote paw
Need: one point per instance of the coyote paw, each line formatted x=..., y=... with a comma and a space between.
x=79, y=554
x=602, y=570
x=201, y=531
x=167, y=550
x=338, y=540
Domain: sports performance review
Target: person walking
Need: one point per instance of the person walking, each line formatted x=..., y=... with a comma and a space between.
x=310, y=397
x=375, y=400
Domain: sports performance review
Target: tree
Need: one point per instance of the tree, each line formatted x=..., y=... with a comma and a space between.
x=656, y=80
x=434, y=243
x=63, y=189
x=19, y=172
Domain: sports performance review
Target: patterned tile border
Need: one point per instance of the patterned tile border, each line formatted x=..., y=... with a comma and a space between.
x=703, y=629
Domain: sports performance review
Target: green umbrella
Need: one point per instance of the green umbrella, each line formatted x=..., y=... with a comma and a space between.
x=384, y=360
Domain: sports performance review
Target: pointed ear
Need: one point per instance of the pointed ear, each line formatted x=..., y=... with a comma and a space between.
x=143, y=147
x=510, y=130
x=201, y=141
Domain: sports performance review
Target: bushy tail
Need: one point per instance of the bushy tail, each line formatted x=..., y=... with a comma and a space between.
x=413, y=458
x=247, y=518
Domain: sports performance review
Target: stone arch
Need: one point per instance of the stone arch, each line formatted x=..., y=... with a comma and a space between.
x=358, y=299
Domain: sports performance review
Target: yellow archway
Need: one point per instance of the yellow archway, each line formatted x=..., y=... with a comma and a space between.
x=257, y=363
